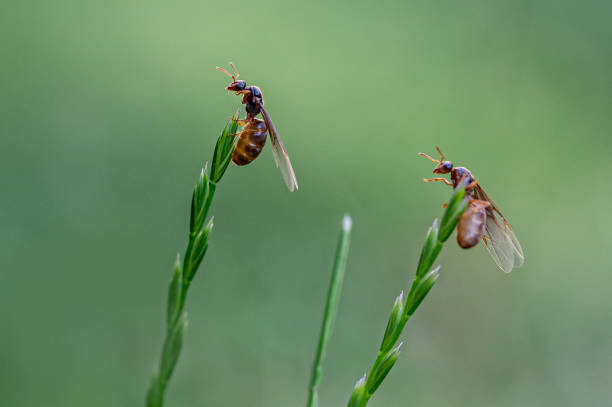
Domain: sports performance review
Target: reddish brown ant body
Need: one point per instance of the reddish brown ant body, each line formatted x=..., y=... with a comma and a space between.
x=482, y=219
x=253, y=136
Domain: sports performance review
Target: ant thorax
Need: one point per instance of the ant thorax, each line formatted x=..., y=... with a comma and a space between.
x=251, y=102
x=458, y=173
x=252, y=108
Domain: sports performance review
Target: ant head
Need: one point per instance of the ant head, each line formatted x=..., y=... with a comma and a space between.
x=443, y=167
x=236, y=85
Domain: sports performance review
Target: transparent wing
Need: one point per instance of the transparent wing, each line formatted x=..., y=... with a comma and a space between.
x=498, y=237
x=280, y=154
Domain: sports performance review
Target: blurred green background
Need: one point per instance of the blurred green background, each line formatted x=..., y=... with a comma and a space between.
x=109, y=109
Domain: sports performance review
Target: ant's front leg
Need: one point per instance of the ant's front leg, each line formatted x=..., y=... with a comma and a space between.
x=450, y=184
x=246, y=96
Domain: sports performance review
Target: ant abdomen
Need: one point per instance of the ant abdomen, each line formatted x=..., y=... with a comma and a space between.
x=252, y=140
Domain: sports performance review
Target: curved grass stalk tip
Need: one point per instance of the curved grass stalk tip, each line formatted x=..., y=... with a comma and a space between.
x=183, y=274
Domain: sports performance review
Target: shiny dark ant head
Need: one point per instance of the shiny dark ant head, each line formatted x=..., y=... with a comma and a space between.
x=236, y=85
x=443, y=167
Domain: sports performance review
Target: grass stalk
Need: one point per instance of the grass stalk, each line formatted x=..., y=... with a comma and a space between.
x=405, y=306
x=183, y=274
x=331, y=308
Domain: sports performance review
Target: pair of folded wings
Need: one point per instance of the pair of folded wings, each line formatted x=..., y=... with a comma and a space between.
x=280, y=153
x=498, y=237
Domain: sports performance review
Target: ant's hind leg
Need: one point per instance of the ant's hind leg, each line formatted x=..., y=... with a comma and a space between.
x=482, y=204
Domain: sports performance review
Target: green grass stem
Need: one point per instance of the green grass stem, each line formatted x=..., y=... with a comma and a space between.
x=331, y=308
x=183, y=274
x=405, y=306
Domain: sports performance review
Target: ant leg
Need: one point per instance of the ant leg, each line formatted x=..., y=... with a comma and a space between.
x=238, y=133
x=450, y=184
x=472, y=186
x=482, y=204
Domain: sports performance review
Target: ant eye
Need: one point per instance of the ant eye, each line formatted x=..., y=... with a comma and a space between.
x=240, y=85
x=448, y=165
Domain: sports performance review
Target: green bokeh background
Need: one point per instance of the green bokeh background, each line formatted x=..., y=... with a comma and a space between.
x=109, y=109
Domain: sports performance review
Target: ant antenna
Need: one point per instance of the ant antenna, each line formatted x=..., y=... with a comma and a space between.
x=235, y=70
x=440, y=152
x=227, y=73
x=432, y=159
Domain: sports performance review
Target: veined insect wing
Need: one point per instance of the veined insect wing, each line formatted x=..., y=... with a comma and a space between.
x=498, y=237
x=280, y=153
